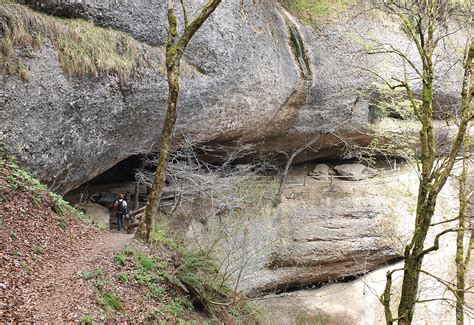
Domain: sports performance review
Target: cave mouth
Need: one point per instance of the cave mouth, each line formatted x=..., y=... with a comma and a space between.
x=103, y=188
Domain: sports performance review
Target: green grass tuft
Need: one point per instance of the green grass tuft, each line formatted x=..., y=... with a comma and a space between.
x=62, y=224
x=110, y=301
x=316, y=11
x=86, y=320
x=123, y=277
x=120, y=259
x=37, y=250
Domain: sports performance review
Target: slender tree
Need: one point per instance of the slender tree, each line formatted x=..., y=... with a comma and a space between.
x=175, y=47
x=426, y=24
x=463, y=256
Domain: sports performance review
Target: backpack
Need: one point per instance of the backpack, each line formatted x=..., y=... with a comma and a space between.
x=122, y=207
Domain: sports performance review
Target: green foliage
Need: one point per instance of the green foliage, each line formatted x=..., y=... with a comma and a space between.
x=156, y=291
x=37, y=250
x=100, y=283
x=388, y=102
x=20, y=179
x=60, y=206
x=12, y=234
x=314, y=11
x=142, y=277
x=11, y=182
x=129, y=250
x=146, y=263
x=89, y=275
x=123, y=277
x=160, y=234
x=62, y=224
x=179, y=305
x=120, y=259
x=110, y=301
x=102, y=227
x=36, y=200
x=25, y=266
x=86, y=320
x=83, y=49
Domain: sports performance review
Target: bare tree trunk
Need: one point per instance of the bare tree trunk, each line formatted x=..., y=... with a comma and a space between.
x=136, y=194
x=283, y=179
x=432, y=179
x=175, y=48
x=462, y=260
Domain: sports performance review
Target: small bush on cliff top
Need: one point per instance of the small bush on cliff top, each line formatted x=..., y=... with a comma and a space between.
x=83, y=49
x=314, y=11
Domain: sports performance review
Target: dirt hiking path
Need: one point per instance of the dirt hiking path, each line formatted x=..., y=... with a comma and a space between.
x=64, y=296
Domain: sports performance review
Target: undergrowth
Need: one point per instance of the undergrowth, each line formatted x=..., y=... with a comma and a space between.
x=83, y=48
x=19, y=179
x=173, y=283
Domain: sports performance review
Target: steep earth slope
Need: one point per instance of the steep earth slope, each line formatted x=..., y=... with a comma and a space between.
x=55, y=267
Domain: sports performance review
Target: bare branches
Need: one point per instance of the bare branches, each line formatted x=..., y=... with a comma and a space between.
x=194, y=25
x=289, y=162
x=208, y=172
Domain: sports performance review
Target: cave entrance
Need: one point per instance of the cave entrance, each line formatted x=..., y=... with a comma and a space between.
x=104, y=188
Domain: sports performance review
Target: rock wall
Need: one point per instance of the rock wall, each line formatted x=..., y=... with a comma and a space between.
x=317, y=234
x=357, y=301
x=257, y=74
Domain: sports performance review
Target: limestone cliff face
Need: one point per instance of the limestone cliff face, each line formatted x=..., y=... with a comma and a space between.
x=319, y=234
x=254, y=73
x=357, y=302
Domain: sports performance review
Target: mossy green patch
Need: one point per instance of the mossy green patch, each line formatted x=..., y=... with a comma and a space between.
x=316, y=11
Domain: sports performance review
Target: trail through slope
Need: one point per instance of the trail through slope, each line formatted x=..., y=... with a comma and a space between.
x=63, y=295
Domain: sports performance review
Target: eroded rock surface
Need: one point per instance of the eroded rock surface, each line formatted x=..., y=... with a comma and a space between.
x=256, y=74
x=317, y=234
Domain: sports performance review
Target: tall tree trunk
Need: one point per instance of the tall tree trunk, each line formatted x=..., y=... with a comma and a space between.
x=165, y=144
x=461, y=260
x=432, y=179
x=413, y=262
x=175, y=48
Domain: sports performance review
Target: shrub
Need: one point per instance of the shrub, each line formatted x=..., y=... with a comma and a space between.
x=110, y=301
x=123, y=277
x=120, y=259
x=86, y=320
x=38, y=250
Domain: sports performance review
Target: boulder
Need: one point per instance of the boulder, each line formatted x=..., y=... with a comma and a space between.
x=355, y=172
x=97, y=212
x=320, y=171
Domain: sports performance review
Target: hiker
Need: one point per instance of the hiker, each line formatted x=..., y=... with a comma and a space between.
x=120, y=206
